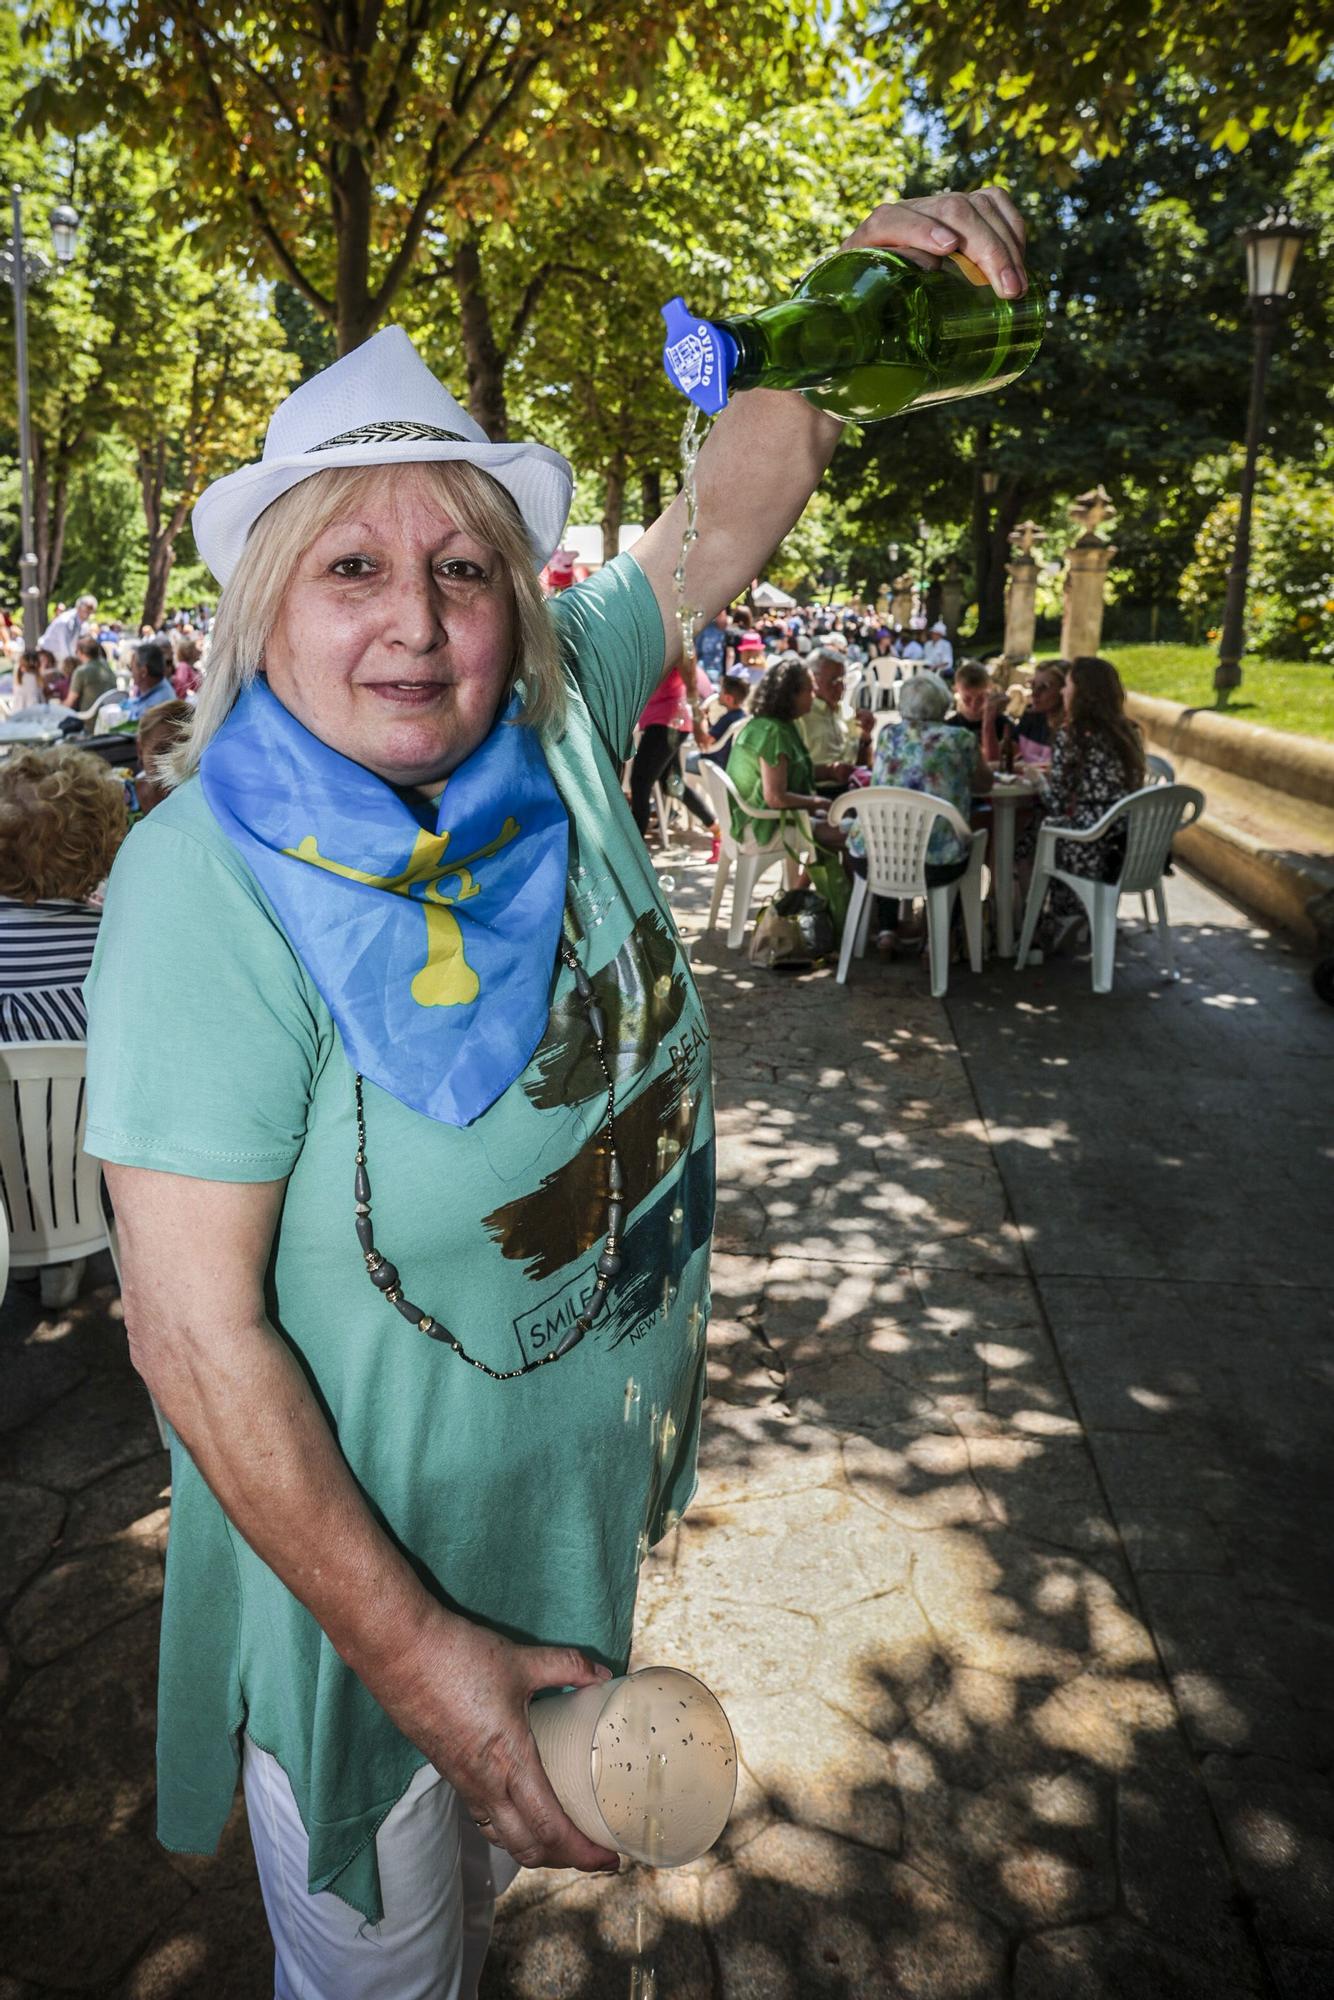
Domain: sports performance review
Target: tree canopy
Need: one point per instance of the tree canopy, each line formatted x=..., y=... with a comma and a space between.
x=1066, y=78
x=523, y=189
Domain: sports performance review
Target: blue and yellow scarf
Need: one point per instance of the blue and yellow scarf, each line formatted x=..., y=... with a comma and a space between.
x=432, y=950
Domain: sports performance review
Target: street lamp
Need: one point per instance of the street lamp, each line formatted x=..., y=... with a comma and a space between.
x=1272, y=245
x=20, y=268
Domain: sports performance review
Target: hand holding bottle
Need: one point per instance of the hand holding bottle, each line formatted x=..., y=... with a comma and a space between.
x=985, y=227
x=878, y=326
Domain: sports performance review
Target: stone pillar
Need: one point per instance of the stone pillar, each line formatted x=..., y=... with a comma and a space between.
x=1085, y=593
x=951, y=598
x=902, y=602
x=1087, y=562
x=1021, y=593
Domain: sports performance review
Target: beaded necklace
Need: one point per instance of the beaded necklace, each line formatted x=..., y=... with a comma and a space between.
x=384, y=1275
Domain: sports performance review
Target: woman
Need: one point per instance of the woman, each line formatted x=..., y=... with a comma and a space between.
x=186, y=678
x=452, y=1104
x=55, y=679
x=664, y=726
x=62, y=818
x=28, y=690
x=163, y=731
x=1041, y=718
x=769, y=763
x=922, y=752
x=1097, y=759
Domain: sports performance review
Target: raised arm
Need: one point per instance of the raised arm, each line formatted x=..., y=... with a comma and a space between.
x=193, y=1258
x=741, y=519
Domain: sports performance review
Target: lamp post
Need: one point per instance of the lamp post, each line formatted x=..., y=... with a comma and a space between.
x=1271, y=255
x=988, y=479
x=20, y=268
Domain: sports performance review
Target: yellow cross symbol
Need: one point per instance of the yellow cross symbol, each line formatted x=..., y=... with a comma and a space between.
x=446, y=979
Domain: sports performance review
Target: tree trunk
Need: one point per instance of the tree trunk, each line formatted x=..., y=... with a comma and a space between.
x=483, y=360
x=1009, y=506
x=613, y=508
x=161, y=556
x=55, y=547
x=162, y=531
x=41, y=527
x=50, y=508
x=354, y=314
x=652, y=495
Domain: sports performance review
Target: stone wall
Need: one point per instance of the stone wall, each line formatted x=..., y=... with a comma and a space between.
x=1266, y=836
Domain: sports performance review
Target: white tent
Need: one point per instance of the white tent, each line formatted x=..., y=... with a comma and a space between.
x=768, y=597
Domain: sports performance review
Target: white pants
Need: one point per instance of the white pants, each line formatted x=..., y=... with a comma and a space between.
x=439, y=1880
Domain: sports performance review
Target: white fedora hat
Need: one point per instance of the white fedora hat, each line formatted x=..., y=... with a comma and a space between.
x=379, y=405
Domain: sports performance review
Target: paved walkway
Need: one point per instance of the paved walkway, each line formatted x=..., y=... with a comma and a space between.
x=1010, y=1553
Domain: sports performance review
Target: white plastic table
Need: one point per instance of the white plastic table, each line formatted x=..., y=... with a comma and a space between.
x=1005, y=800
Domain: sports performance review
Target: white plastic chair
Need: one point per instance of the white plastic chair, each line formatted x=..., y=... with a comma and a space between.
x=48, y=1184
x=750, y=856
x=112, y=698
x=896, y=826
x=1160, y=772
x=1152, y=817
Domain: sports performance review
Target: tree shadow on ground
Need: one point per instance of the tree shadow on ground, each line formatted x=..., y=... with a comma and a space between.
x=963, y=1772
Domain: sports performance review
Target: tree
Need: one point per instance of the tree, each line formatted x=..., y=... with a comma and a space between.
x=1145, y=366
x=1066, y=79
x=65, y=339
x=326, y=140
x=728, y=208
x=193, y=396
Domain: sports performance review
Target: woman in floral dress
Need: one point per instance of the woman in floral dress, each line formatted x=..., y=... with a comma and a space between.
x=1097, y=759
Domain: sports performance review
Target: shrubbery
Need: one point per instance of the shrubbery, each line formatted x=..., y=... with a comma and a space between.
x=1290, y=602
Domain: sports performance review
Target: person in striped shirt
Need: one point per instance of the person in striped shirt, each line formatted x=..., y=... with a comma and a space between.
x=62, y=818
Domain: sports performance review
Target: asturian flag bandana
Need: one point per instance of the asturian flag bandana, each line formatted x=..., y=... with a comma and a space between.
x=432, y=951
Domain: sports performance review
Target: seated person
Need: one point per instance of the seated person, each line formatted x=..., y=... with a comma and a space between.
x=93, y=675
x=732, y=696
x=62, y=818
x=770, y=764
x=750, y=658
x=977, y=701
x=148, y=673
x=1035, y=730
x=186, y=678
x=163, y=729
x=836, y=748
x=54, y=673
x=1097, y=759
x=925, y=752
x=28, y=690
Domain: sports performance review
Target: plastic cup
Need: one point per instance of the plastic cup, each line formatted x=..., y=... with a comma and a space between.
x=645, y=1764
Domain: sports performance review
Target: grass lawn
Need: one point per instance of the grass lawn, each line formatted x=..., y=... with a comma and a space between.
x=1281, y=694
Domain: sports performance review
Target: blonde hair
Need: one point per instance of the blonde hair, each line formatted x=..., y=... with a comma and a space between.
x=62, y=818
x=249, y=606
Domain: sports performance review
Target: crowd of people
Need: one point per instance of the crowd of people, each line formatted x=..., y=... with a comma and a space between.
x=770, y=705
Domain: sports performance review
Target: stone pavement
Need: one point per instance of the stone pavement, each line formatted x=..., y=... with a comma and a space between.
x=1008, y=1560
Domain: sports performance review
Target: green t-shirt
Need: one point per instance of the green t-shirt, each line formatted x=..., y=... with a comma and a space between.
x=764, y=739
x=528, y=1504
x=88, y=681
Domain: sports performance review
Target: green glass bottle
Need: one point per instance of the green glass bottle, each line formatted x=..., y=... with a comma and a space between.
x=866, y=334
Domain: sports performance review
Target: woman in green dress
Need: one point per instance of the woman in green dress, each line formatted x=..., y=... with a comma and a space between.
x=770, y=764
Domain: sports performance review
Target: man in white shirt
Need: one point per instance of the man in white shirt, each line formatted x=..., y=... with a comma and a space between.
x=939, y=652
x=913, y=648
x=66, y=629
